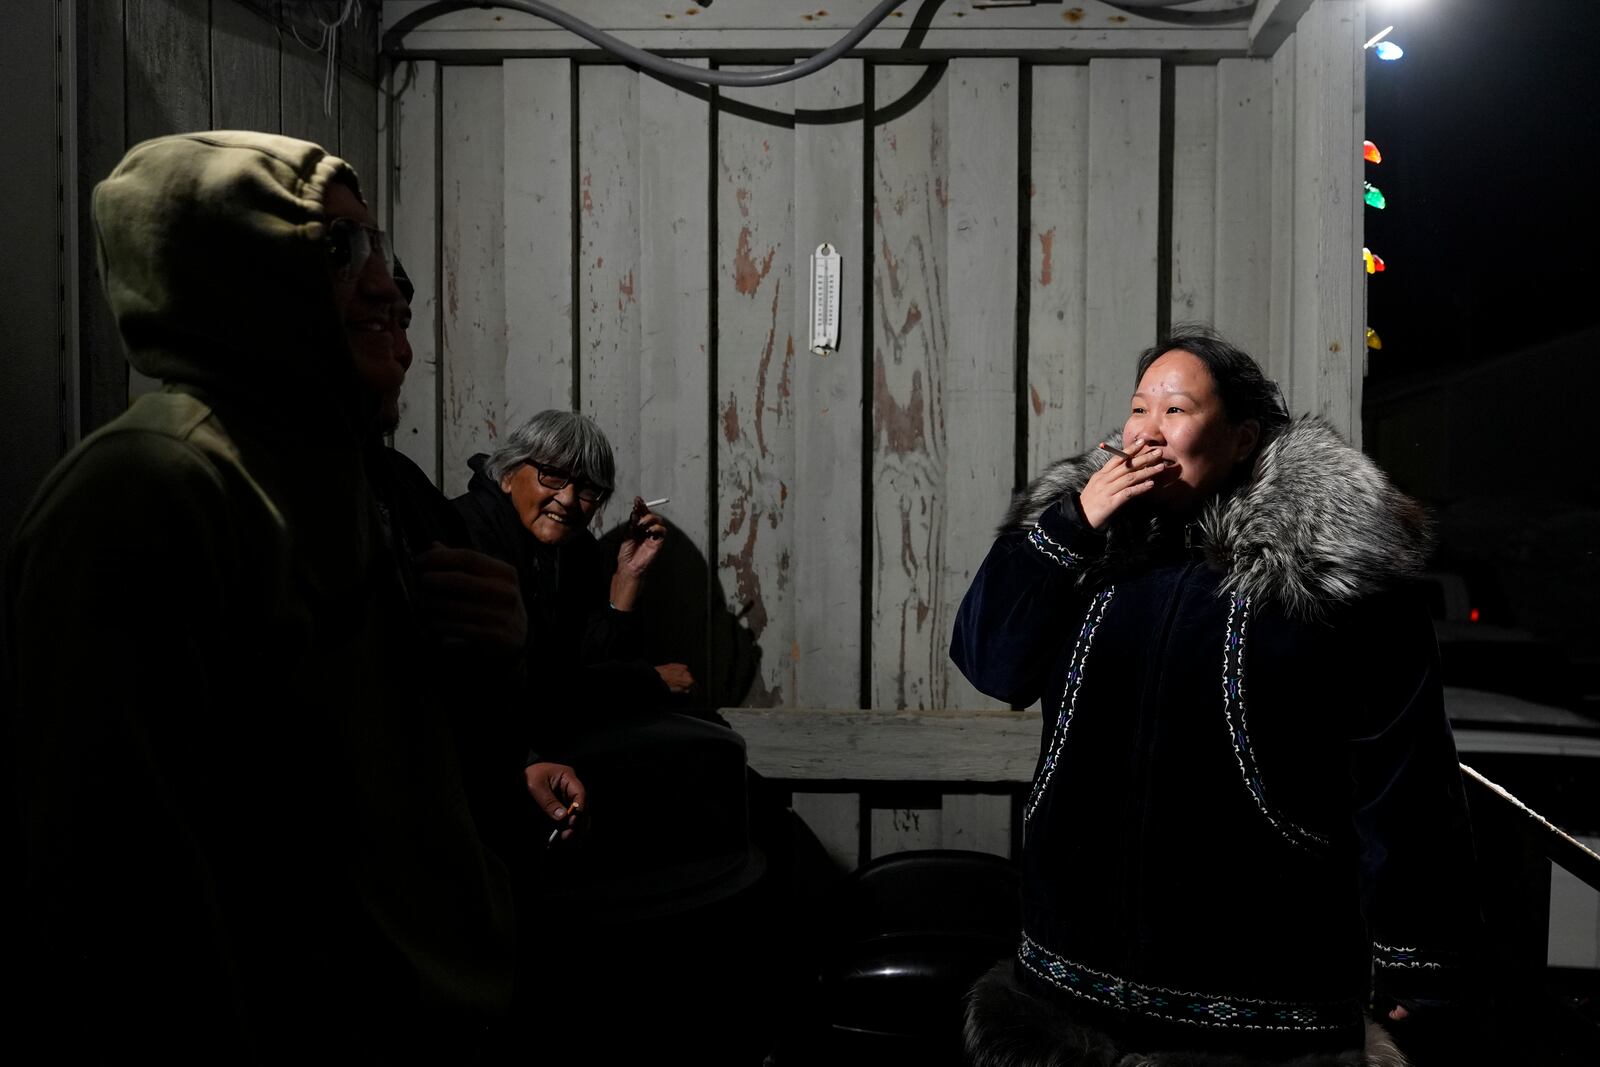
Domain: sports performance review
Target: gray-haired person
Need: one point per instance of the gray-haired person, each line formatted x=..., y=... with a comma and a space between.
x=531, y=503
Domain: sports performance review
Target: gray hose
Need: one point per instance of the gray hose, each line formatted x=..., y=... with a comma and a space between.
x=648, y=60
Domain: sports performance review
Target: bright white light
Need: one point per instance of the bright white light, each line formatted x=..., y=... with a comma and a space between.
x=1389, y=50
x=1380, y=35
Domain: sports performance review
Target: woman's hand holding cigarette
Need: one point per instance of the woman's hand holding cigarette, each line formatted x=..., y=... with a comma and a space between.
x=560, y=795
x=1126, y=475
x=643, y=539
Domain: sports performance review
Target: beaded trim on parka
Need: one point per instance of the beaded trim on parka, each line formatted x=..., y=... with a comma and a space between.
x=1069, y=696
x=1234, y=709
x=1219, y=1011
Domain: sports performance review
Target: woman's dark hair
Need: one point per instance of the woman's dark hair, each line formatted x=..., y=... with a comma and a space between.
x=1246, y=393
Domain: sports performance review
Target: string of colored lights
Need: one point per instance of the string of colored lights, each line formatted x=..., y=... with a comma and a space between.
x=1387, y=51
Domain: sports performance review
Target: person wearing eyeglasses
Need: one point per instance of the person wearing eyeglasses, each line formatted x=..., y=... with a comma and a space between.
x=531, y=503
x=244, y=828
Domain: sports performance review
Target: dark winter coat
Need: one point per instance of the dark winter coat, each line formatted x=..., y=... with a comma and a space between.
x=245, y=835
x=584, y=658
x=1247, y=808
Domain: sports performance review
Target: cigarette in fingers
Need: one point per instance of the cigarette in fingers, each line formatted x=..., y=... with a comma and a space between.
x=562, y=825
x=657, y=503
x=1115, y=451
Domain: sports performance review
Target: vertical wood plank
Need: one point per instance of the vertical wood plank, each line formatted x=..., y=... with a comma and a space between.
x=1280, y=325
x=1244, y=204
x=1328, y=274
x=1305, y=338
x=608, y=263
x=827, y=389
x=302, y=111
x=358, y=130
x=473, y=383
x=674, y=371
x=980, y=822
x=168, y=73
x=35, y=380
x=244, y=69
x=103, y=368
x=168, y=81
x=909, y=199
x=836, y=820
x=414, y=224
x=980, y=372
x=1350, y=371
x=755, y=379
x=538, y=213
x=1059, y=219
x=905, y=829
x=1124, y=204
x=1194, y=194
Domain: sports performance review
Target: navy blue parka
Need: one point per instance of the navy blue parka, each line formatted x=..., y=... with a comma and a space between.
x=1247, y=816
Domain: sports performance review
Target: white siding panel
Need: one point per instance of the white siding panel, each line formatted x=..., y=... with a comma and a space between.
x=538, y=242
x=909, y=198
x=1244, y=204
x=675, y=331
x=980, y=822
x=1280, y=324
x=608, y=266
x=1059, y=219
x=414, y=225
x=829, y=180
x=1124, y=205
x=473, y=363
x=1194, y=194
x=756, y=351
x=980, y=368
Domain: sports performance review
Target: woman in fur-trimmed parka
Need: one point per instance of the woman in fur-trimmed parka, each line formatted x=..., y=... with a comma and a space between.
x=1247, y=823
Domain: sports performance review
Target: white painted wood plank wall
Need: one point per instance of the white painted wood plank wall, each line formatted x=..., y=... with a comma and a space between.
x=608, y=265
x=1123, y=233
x=757, y=271
x=776, y=459
x=538, y=237
x=980, y=391
x=827, y=566
x=910, y=175
x=1058, y=264
x=472, y=232
x=674, y=316
x=413, y=223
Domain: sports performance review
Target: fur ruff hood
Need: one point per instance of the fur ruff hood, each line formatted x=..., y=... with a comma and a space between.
x=1314, y=526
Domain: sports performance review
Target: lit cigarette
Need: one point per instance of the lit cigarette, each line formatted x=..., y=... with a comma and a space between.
x=556, y=833
x=657, y=503
x=1115, y=451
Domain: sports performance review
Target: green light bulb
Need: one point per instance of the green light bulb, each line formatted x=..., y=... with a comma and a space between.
x=1374, y=196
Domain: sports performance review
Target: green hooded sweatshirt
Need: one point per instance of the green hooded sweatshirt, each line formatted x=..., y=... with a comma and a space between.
x=245, y=834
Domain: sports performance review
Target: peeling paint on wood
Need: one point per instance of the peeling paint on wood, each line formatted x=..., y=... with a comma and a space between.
x=909, y=354
x=609, y=334
x=756, y=446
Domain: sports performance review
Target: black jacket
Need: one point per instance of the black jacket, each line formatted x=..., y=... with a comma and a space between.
x=584, y=657
x=1247, y=800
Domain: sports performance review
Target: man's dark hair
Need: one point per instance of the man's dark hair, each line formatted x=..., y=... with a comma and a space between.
x=1246, y=392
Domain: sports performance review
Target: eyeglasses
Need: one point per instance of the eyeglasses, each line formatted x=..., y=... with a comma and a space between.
x=558, y=479
x=351, y=244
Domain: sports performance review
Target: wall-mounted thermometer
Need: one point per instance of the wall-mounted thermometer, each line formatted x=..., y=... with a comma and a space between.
x=825, y=299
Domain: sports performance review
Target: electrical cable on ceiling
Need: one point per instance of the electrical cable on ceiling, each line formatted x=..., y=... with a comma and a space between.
x=648, y=60
x=666, y=68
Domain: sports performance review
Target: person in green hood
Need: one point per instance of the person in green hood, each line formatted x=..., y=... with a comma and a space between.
x=245, y=829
